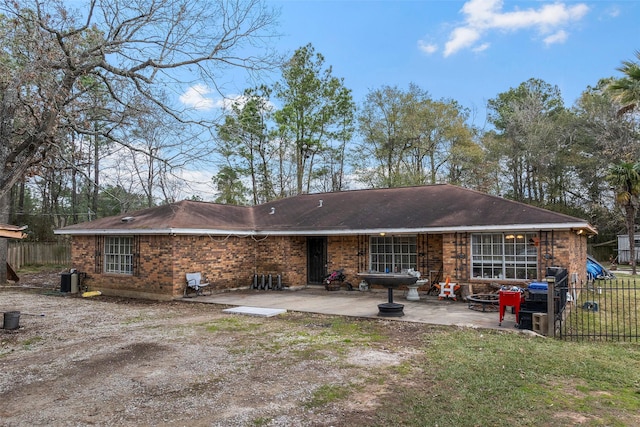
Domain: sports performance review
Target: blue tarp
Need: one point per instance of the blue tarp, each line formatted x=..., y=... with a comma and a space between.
x=595, y=270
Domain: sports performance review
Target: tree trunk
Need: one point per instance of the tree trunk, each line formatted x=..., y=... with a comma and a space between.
x=20, y=208
x=630, y=211
x=96, y=177
x=74, y=194
x=300, y=170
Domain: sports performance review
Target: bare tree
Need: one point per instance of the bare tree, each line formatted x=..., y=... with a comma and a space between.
x=51, y=56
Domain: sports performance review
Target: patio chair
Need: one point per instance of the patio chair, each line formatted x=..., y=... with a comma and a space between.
x=196, y=285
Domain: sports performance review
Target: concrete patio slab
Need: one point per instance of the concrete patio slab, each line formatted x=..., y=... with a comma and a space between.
x=255, y=311
x=428, y=309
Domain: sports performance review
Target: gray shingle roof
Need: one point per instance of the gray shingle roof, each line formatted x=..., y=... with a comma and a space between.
x=430, y=208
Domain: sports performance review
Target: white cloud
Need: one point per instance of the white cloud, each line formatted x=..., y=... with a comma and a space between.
x=483, y=46
x=484, y=16
x=228, y=102
x=195, y=97
x=613, y=12
x=461, y=38
x=558, y=37
x=195, y=183
x=427, y=48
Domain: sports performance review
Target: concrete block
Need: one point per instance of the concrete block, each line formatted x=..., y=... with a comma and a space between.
x=539, y=323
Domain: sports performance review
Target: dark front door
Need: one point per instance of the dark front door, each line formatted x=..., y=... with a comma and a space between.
x=316, y=259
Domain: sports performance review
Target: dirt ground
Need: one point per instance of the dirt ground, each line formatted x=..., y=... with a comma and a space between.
x=108, y=361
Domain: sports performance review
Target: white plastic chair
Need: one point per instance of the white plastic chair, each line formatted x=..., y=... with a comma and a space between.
x=196, y=285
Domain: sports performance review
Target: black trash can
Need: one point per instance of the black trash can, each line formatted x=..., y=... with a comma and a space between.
x=11, y=320
x=65, y=282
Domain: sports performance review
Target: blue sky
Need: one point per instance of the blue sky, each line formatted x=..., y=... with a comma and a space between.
x=468, y=51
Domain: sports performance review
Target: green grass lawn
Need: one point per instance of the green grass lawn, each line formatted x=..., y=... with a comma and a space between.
x=486, y=378
x=472, y=377
x=605, y=310
x=625, y=268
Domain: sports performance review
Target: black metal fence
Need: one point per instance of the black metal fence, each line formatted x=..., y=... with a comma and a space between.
x=600, y=310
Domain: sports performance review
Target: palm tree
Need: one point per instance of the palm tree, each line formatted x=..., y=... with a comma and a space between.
x=627, y=89
x=625, y=176
x=625, y=179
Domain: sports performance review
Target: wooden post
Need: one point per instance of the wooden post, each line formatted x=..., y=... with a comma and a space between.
x=551, y=307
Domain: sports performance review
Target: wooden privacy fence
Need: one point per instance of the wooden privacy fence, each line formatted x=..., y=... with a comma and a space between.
x=38, y=253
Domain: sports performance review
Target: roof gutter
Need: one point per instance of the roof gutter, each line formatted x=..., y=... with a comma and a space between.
x=578, y=227
x=154, y=231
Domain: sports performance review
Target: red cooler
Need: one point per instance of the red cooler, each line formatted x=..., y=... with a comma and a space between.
x=510, y=299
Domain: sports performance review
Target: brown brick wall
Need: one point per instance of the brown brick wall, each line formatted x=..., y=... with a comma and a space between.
x=83, y=253
x=282, y=255
x=430, y=256
x=230, y=262
x=342, y=252
x=560, y=248
x=456, y=254
x=571, y=253
x=451, y=253
x=352, y=254
x=152, y=278
x=226, y=262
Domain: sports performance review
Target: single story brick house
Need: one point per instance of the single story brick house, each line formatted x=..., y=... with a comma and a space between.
x=440, y=230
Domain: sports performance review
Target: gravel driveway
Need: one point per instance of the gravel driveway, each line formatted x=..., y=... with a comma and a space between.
x=109, y=361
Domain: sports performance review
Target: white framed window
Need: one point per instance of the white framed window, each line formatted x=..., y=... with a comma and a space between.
x=390, y=254
x=118, y=254
x=504, y=256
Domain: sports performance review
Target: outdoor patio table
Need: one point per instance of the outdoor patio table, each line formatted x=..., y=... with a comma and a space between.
x=389, y=281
